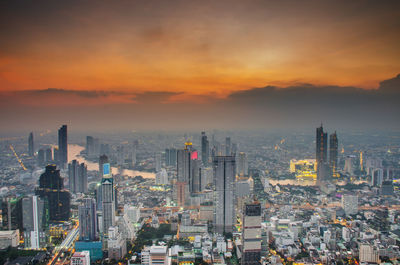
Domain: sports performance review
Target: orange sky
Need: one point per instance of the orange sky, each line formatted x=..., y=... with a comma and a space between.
x=198, y=48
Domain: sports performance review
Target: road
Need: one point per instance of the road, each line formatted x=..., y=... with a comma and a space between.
x=65, y=245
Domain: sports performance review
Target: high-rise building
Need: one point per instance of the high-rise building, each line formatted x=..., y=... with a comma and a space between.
x=170, y=157
x=157, y=162
x=350, y=204
x=41, y=157
x=195, y=176
x=11, y=209
x=321, y=145
x=333, y=154
x=251, y=238
x=77, y=177
x=116, y=244
x=183, y=175
x=321, y=155
x=31, y=146
x=228, y=146
x=48, y=156
x=89, y=145
x=88, y=220
x=224, y=193
x=205, y=149
x=103, y=159
x=155, y=255
x=162, y=177
x=34, y=218
x=51, y=189
x=242, y=165
x=108, y=201
x=63, y=146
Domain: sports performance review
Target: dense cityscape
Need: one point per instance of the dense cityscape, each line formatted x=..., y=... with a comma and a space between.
x=182, y=132
x=200, y=198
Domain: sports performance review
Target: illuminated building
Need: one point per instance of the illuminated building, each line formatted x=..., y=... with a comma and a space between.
x=224, y=193
x=251, y=238
x=81, y=258
x=108, y=199
x=51, y=188
x=31, y=146
x=63, y=146
x=34, y=218
x=87, y=220
x=303, y=169
x=333, y=154
x=361, y=161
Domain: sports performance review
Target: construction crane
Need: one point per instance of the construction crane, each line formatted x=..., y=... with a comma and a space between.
x=19, y=160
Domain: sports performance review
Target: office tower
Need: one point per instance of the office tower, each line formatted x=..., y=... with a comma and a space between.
x=183, y=165
x=228, y=146
x=89, y=145
x=170, y=157
x=48, y=156
x=377, y=177
x=108, y=197
x=132, y=212
x=41, y=157
x=322, y=145
x=120, y=155
x=51, y=189
x=350, y=204
x=63, y=146
x=333, y=154
x=31, y=146
x=56, y=154
x=34, y=218
x=87, y=220
x=205, y=149
x=103, y=159
x=81, y=258
x=242, y=165
x=251, y=238
x=224, y=178
x=158, y=162
x=321, y=155
x=11, y=209
x=195, y=176
x=77, y=177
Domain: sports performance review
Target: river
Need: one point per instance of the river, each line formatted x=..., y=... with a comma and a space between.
x=74, y=152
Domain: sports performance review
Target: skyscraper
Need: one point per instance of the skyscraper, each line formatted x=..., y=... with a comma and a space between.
x=77, y=174
x=63, y=146
x=51, y=189
x=183, y=175
x=108, y=200
x=333, y=154
x=170, y=157
x=322, y=145
x=11, y=209
x=242, y=165
x=34, y=218
x=89, y=145
x=228, y=146
x=31, y=146
x=251, y=238
x=321, y=154
x=103, y=159
x=205, y=149
x=224, y=177
x=87, y=220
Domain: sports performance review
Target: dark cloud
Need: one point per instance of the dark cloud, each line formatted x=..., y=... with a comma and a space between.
x=61, y=92
x=155, y=97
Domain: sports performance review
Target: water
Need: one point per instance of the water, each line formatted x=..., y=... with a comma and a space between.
x=74, y=151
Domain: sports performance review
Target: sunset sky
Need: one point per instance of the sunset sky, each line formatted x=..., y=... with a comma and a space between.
x=91, y=55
